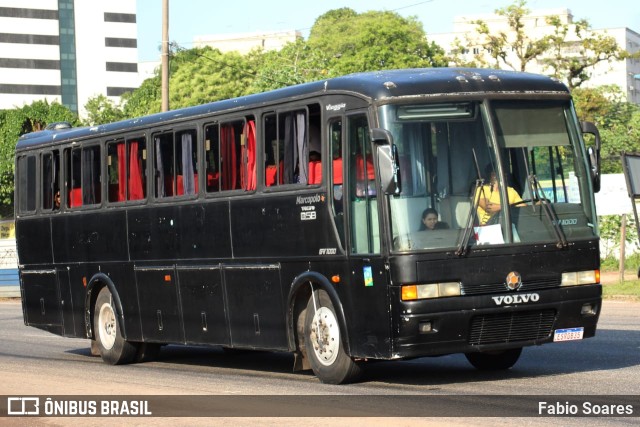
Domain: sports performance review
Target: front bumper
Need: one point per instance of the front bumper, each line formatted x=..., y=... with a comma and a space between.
x=488, y=322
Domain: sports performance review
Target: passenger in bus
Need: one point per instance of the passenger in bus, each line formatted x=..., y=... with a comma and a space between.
x=56, y=201
x=488, y=196
x=314, y=156
x=430, y=221
x=315, y=160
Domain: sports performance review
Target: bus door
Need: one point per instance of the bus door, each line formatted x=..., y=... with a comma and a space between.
x=368, y=319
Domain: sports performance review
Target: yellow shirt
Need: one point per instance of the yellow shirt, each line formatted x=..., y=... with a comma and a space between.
x=493, y=197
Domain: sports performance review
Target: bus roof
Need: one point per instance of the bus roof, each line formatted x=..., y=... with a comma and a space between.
x=375, y=86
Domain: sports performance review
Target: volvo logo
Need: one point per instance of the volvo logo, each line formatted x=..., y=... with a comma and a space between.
x=513, y=281
x=516, y=299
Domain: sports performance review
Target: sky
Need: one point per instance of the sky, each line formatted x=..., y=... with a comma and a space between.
x=191, y=18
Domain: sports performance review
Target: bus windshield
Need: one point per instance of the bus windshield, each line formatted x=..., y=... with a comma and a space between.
x=492, y=173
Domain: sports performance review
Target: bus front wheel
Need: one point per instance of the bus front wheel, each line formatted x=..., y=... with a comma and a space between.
x=328, y=360
x=113, y=348
x=494, y=360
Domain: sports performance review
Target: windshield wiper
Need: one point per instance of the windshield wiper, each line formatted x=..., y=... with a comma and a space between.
x=468, y=230
x=548, y=211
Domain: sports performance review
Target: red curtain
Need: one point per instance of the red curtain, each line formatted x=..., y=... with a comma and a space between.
x=248, y=172
x=229, y=161
x=136, y=190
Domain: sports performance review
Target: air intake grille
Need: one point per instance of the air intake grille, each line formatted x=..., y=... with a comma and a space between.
x=510, y=327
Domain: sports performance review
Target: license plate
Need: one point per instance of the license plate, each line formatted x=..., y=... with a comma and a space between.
x=569, y=334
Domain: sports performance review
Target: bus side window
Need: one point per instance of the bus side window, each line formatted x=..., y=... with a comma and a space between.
x=291, y=141
x=231, y=139
x=126, y=170
x=186, y=167
x=365, y=236
x=90, y=176
x=116, y=171
x=273, y=157
x=230, y=155
x=137, y=168
x=315, y=150
x=72, y=176
x=212, y=157
x=83, y=176
x=163, y=165
x=27, y=183
x=50, y=181
x=249, y=148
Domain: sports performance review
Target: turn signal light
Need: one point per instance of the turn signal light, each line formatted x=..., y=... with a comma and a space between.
x=409, y=293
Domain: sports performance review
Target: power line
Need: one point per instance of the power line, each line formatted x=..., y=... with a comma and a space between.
x=411, y=5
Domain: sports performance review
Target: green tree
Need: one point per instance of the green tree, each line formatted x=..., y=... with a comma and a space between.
x=101, y=110
x=569, y=50
x=352, y=42
x=205, y=75
x=597, y=104
x=341, y=42
x=197, y=76
x=17, y=122
x=295, y=63
x=621, y=136
x=611, y=233
x=526, y=48
x=572, y=61
x=617, y=120
x=144, y=100
x=498, y=45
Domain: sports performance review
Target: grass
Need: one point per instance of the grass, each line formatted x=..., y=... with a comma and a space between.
x=629, y=289
x=613, y=289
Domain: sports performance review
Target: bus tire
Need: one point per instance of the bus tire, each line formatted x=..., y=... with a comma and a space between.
x=323, y=344
x=113, y=348
x=494, y=360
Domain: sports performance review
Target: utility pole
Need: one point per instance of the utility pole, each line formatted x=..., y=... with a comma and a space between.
x=623, y=241
x=165, y=55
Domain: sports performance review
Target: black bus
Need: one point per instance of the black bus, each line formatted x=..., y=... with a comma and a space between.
x=292, y=221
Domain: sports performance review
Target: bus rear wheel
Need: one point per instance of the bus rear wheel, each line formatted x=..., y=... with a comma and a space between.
x=323, y=344
x=494, y=360
x=113, y=348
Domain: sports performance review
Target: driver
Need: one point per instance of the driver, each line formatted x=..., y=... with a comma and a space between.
x=488, y=196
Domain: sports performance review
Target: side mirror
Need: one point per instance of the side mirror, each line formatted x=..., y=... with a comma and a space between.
x=594, y=153
x=387, y=155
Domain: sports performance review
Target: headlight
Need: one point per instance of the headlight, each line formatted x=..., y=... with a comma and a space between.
x=431, y=290
x=575, y=278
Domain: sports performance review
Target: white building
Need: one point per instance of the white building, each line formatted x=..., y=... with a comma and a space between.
x=620, y=73
x=67, y=51
x=244, y=42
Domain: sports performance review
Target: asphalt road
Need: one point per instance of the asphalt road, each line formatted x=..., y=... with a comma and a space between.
x=34, y=362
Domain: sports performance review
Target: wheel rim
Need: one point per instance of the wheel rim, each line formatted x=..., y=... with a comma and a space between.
x=325, y=336
x=107, y=326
